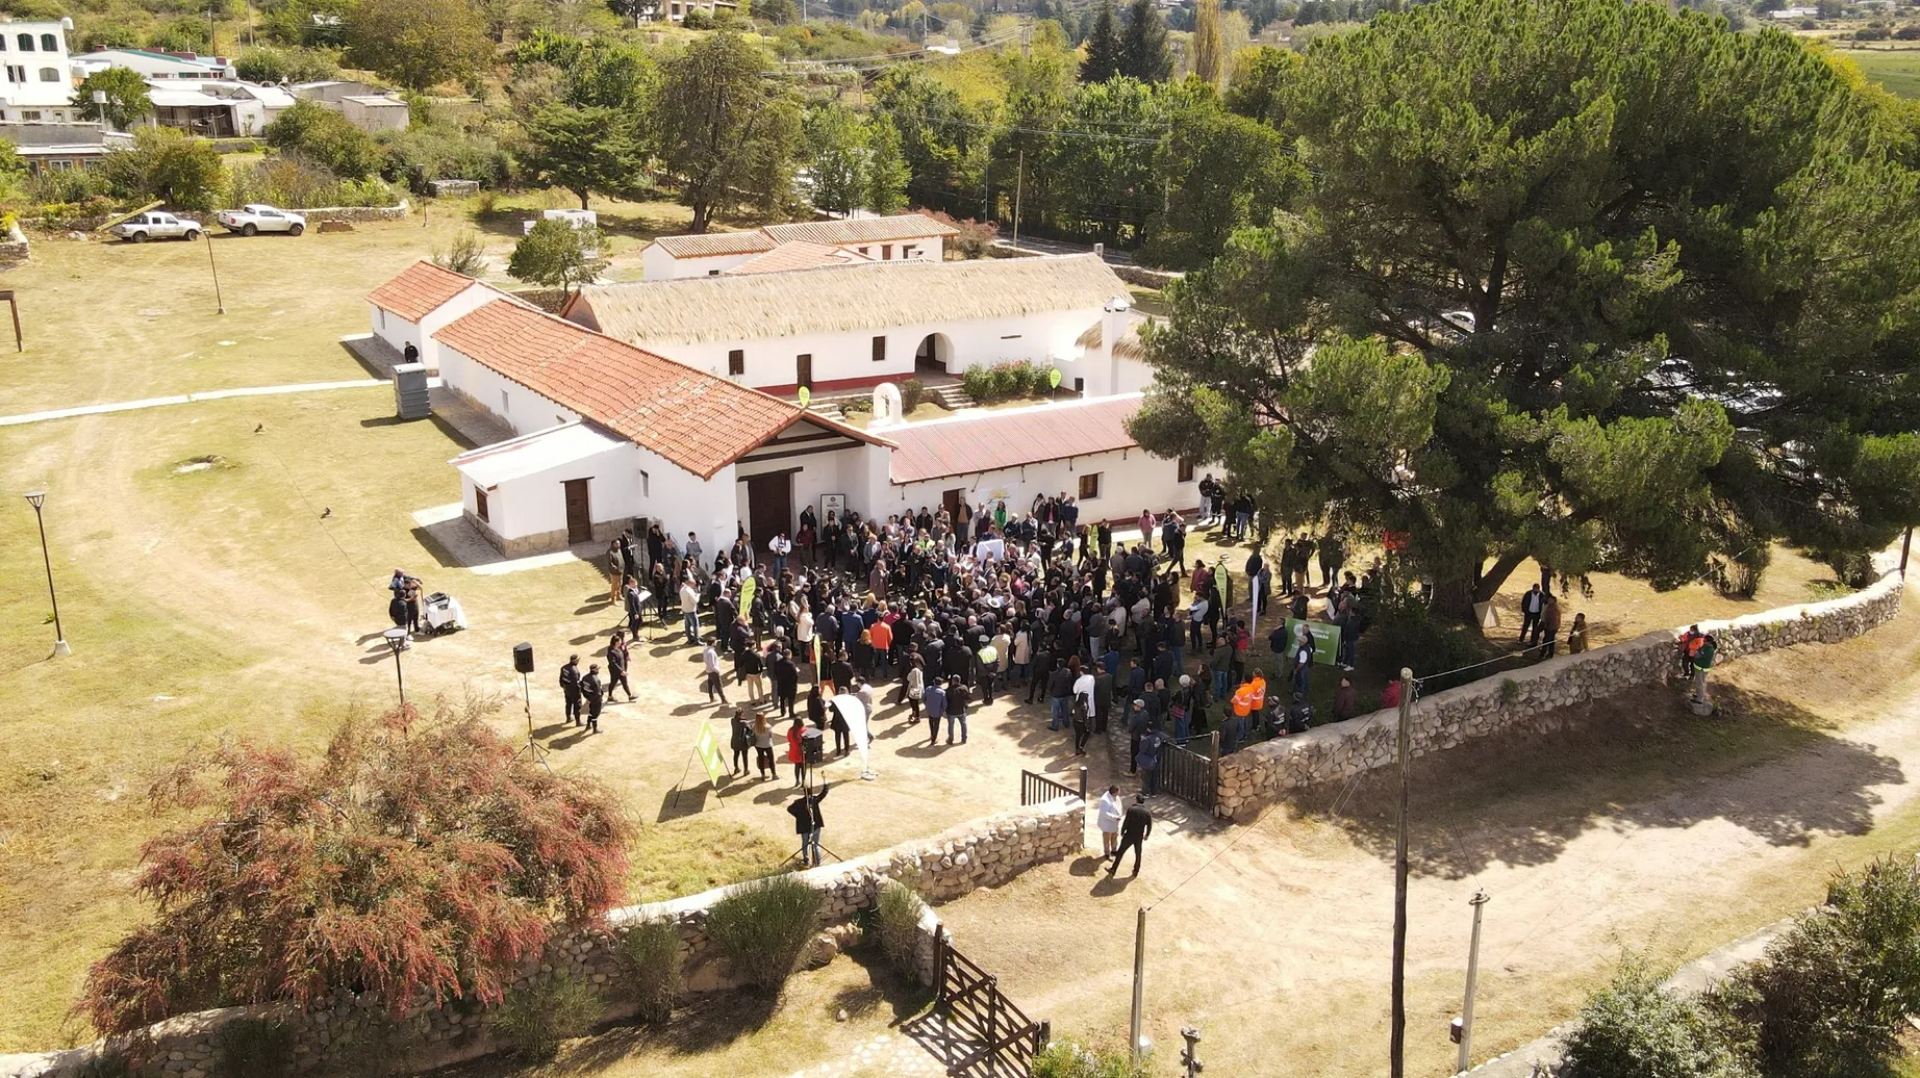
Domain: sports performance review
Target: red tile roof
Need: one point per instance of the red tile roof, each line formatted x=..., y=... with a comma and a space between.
x=418, y=289
x=993, y=440
x=694, y=419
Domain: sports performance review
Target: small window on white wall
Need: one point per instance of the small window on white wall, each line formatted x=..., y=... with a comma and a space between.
x=646, y=484
x=506, y=405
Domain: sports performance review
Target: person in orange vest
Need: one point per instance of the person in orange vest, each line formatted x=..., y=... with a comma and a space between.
x=1259, y=685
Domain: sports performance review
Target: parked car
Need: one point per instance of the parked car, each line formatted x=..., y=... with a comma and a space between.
x=256, y=217
x=155, y=225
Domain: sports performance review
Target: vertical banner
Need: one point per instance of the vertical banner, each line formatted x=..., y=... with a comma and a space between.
x=707, y=748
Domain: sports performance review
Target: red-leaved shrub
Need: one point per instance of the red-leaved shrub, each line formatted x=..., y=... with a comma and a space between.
x=417, y=859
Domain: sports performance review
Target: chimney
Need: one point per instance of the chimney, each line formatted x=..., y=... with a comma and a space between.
x=1113, y=324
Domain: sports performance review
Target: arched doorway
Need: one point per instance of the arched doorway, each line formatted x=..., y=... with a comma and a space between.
x=933, y=355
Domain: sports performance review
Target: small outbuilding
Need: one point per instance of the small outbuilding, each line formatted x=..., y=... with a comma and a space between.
x=411, y=307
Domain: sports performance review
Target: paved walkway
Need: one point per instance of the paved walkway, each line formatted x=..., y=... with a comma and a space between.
x=190, y=398
x=890, y=1054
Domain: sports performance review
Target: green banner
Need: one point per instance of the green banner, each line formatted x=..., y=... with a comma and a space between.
x=748, y=588
x=708, y=749
x=1326, y=639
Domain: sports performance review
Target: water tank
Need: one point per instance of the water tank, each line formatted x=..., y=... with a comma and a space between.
x=410, y=391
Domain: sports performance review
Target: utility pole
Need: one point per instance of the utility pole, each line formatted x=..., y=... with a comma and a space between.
x=219, y=303
x=1463, y=1061
x=1019, y=185
x=1398, y=1046
x=1136, y=1043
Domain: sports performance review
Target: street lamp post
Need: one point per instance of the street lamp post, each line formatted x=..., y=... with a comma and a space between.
x=397, y=641
x=37, y=498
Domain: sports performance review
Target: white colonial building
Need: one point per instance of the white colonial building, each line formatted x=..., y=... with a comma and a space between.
x=905, y=237
x=411, y=308
x=38, y=84
x=851, y=327
x=610, y=435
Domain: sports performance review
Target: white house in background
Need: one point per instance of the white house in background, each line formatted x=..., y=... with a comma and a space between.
x=216, y=108
x=366, y=107
x=852, y=327
x=609, y=433
x=901, y=237
x=413, y=306
x=154, y=65
x=38, y=84
x=58, y=147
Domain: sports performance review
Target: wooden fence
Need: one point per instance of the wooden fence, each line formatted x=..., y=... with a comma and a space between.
x=982, y=1034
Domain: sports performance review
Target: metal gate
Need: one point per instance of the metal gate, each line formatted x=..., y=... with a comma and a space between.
x=1193, y=777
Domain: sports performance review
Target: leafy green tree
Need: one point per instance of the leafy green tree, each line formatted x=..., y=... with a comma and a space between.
x=836, y=157
x=725, y=135
x=127, y=100
x=327, y=137
x=1209, y=59
x=1143, y=46
x=885, y=187
x=1604, y=285
x=164, y=163
x=584, y=149
x=286, y=65
x=1258, y=74
x=558, y=255
x=419, y=43
x=1103, y=58
x=188, y=33
x=1222, y=173
x=940, y=137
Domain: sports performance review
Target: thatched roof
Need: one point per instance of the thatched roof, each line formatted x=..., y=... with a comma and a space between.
x=899, y=226
x=1127, y=347
x=844, y=298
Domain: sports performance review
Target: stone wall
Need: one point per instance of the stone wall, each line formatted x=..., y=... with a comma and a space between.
x=356, y=213
x=981, y=853
x=1257, y=776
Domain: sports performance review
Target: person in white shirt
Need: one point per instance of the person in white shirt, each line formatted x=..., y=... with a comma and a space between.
x=780, y=546
x=1109, y=814
x=690, y=610
x=803, y=632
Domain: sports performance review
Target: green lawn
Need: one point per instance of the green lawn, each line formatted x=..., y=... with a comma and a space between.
x=1896, y=69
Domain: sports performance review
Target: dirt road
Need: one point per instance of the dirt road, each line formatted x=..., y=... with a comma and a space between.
x=1650, y=833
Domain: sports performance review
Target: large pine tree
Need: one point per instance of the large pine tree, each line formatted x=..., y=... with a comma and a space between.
x=1103, y=47
x=1143, y=48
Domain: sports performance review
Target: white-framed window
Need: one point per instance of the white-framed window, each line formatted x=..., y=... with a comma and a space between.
x=646, y=484
x=17, y=73
x=506, y=405
x=1089, y=486
x=26, y=42
x=30, y=114
x=49, y=74
x=49, y=43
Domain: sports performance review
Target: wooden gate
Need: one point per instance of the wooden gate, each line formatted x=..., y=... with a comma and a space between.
x=983, y=1035
x=1193, y=777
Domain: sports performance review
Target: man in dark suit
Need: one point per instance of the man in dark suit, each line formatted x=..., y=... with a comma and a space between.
x=1134, y=829
x=570, y=687
x=591, y=690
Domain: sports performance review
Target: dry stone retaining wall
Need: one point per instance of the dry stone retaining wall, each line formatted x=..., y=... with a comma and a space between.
x=355, y=213
x=982, y=853
x=1257, y=776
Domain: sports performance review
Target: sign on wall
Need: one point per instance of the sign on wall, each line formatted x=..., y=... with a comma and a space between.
x=835, y=504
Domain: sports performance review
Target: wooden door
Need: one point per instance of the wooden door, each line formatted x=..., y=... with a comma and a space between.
x=579, y=513
x=803, y=370
x=950, y=499
x=769, y=507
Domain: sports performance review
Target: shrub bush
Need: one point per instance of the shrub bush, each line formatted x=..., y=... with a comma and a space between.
x=975, y=237
x=1406, y=634
x=913, y=392
x=763, y=926
x=897, y=912
x=1633, y=1028
x=293, y=182
x=252, y=1048
x=287, y=65
x=462, y=255
x=1066, y=1059
x=327, y=137
x=421, y=154
x=535, y=1019
x=1831, y=996
x=650, y=951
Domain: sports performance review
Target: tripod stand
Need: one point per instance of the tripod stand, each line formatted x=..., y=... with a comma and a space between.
x=533, y=749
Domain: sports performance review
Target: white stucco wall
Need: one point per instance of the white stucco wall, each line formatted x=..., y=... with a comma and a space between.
x=399, y=332
x=535, y=504
x=848, y=471
x=522, y=409
x=848, y=356
x=1130, y=480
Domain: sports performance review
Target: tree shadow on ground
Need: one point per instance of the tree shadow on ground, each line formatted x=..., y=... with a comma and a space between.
x=1637, y=760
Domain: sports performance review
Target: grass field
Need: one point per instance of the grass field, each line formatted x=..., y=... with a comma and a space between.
x=1896, y=69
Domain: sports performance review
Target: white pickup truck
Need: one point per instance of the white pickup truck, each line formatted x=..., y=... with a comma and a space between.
x=156, y=225
x=257, y=217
